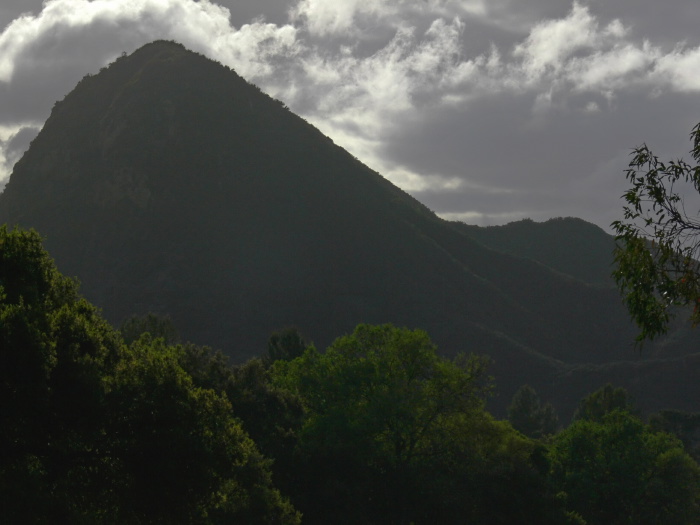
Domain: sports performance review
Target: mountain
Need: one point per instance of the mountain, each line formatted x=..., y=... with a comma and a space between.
x=568, y=245
x=167, y=183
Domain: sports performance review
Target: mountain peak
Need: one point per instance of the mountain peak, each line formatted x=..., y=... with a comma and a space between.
x=168, y=156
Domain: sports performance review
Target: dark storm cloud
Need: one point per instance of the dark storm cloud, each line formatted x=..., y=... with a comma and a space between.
x=485, y=110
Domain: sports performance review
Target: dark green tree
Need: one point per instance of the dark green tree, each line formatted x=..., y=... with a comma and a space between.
x=685, y=426
x=54, y=351
x=388, y=384
x=393, y=433
x=93, y=431
x=286, y=344
x=208, y=368
x=658, y=241
x=530, y=416
x=272, y=416
x=155, y=324
x=183, y=456
x=618, y=471
x=603, y=401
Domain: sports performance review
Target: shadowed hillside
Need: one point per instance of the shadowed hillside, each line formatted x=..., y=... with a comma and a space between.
x=167, y=183
x=568, y=245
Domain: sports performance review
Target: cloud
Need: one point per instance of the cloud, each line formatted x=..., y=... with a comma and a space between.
x=324, y=18
x=550, y=43
x=358, y=17
x=18, y=142
x=482, y=109
x=14, y=141
x=404, y=108
x=680, y=68
x=42, y=56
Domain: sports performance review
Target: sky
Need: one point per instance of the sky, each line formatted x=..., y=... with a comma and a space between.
x=487, y=111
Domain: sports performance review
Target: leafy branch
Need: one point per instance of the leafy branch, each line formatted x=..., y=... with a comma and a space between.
x=658, y=241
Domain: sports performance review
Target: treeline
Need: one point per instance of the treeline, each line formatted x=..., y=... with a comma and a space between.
x=99, y=425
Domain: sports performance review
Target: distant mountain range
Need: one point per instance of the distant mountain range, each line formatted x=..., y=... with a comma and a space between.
x=167, y=183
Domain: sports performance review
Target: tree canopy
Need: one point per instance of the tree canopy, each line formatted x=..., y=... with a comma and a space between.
x=94, y=431
x=394, y=433
x=606, y=399
x=529, y=415
x=616, y=470
x=378, y=429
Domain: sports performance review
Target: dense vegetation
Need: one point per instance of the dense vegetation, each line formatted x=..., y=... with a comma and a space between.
x=105, y=426
x=95, y=431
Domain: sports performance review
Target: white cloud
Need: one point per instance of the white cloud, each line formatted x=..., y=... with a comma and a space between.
x=358, y=99
x=552, y=42
x=343, y=18
x=61, y=22
x=612, y=69
x=58, y=34
x=681, y=68
x=255, y=50
x=322, y=18
x=577, y=54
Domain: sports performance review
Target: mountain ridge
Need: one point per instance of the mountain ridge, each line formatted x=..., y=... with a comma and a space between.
x=568, y=245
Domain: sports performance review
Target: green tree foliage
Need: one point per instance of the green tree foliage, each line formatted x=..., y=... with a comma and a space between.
x=208, y=368
x=157, y=325
x=657, y=249
x=93, y=431
x=530, y=416
x=286, y=345
x=270, y=415
x=616, y=470
x=54, y=348
x=383, y=383
x=394, y=433
x=685, y=426
x=187, y=457
x=596, y=405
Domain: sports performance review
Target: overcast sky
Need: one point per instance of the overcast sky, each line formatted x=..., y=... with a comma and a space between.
x=487, y=111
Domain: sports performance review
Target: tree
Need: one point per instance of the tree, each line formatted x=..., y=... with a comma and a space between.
x=154, y=324
x=685, y=426
x=286, y=344
x=658, y=241
x=618, y=471
x=595, y=406
x=270, y=415
x=54, y=351
x=387, y=384
x=394, y=433
x=93, y=431
x=530, y=416
x=182, y=455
